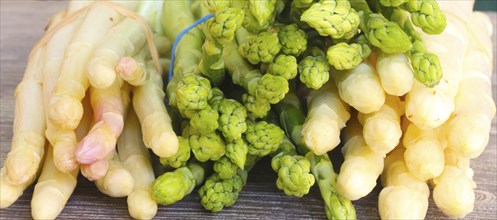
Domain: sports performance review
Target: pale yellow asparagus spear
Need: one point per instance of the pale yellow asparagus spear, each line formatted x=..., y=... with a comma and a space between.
x=117, y=182
x=395, y=74
x=28, y=141
x=326, y=117
x=110, y=107
x=133, y=69
x=361, y=166
x=453, y=190
x=469, y=127
x=403, y=196
x=148, y=103
x=124, y=39
x=96, y=170
x=65, y=109
x=360, y=88
x=382, y=130
x=63, y=153
x=53, y=189
x=136, y=159
x=424, y=154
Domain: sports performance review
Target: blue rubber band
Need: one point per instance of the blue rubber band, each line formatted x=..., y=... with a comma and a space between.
x=176, y=41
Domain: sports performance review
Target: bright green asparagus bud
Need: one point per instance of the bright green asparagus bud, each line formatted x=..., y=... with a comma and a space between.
x=293, y=40
x=237, y=151
x=294, y=176
x=272, y=88
x=218, y=193
x=216, y=5
x=217, y=97
x=207, y=147
x=205, y=121
x=344, y=56
x=333, y=18
x=392, y=3
x=314, y=71
x=224, y=24
x=385, y=34
x=426, y=14
x=173, y=186
x=285, y=66
x=262, y=47
x=263, y=138
x=426, y=68
x=180, y=158
x=193, y=92
x=257, y=108
x=232, y=119
x=225, y=168
x=259, y=15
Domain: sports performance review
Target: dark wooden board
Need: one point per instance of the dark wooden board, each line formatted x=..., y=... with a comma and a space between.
x=22, y=24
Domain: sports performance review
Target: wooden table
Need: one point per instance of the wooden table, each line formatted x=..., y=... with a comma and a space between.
x=22, y=24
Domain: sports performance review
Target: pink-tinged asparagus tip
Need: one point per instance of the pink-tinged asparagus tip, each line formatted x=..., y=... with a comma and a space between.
x=114, y=121
x=165, y=144
x=97, y=144
x=126, y=67
x=65, y=112
x=101, y=75
x=21, y=167
x=95, y=170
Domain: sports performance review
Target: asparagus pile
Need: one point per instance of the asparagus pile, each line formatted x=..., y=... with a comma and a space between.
x=273, y=78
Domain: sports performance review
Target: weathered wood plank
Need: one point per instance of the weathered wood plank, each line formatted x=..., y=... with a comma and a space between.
x=22, y=24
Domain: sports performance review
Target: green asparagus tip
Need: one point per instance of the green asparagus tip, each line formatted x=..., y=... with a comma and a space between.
x=263, y=138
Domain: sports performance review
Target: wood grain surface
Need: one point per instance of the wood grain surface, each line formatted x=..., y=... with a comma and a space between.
x=22, y=24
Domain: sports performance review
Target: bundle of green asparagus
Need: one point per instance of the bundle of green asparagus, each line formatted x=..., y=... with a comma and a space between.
x=251, y=79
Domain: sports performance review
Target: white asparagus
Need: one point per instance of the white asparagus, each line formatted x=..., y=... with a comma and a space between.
x=148, y=103
x=53, y=189
x=403, y=196
x=133, y=69
x=136, y=159
x=327, y=115
x=382, y=130
x=360, y=88
x=424, y=154
x=469, y=127
x=28, y=141
x=124, y=39
x=395, y=74
x=65, y=109
x=117, y=182
x=453, y=190
x=361, y=166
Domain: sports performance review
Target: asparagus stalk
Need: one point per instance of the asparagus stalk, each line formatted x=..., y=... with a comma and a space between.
x=133, y=69
x=136, y=159
x=403, y=196
x=110, y=106
x=382, y=131
x=65, y=109
x=396, y=76
x=118, y=181
x=361, y=167
x=292, y=118
x=351, y=86
x=54, y=187
x=326, y=116
x=156, y=124
x=28, y=142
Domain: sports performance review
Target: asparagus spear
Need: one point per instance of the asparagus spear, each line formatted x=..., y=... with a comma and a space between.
x=292, y=119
